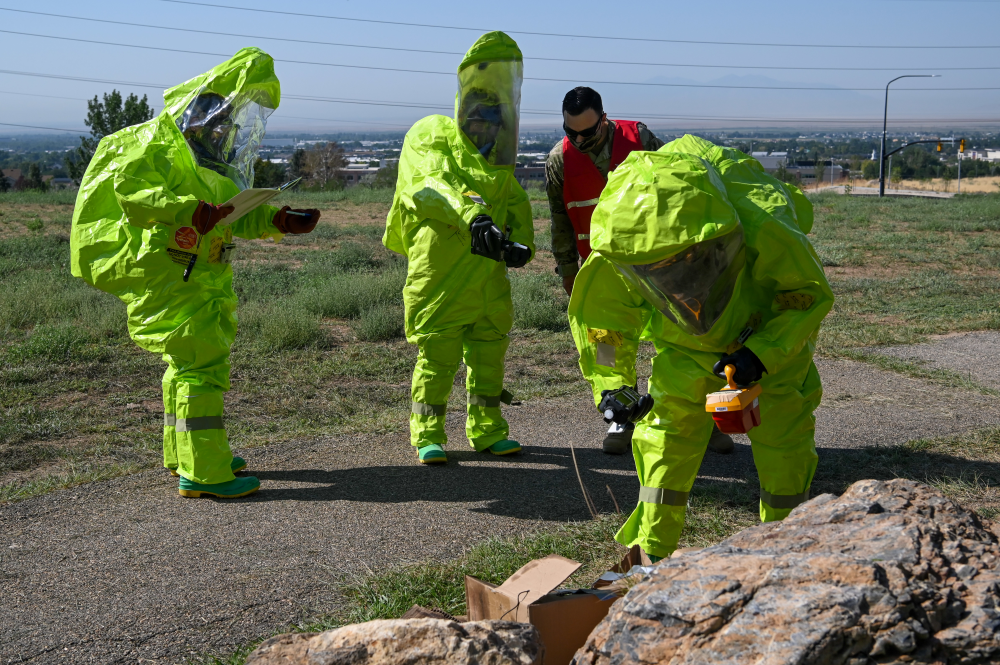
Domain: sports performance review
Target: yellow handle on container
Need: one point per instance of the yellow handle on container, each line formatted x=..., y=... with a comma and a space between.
x=730, y=371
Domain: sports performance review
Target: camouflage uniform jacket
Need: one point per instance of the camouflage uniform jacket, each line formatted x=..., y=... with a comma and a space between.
x=563, y=236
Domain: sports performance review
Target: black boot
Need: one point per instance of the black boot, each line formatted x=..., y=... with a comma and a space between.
x=619, y=439
x=720, y=443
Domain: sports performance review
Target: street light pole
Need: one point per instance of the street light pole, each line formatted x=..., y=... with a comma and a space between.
x=885, y=118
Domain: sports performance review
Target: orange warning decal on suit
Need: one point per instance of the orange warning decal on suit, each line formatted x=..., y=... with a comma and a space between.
x=182, y=243
x=186, y=237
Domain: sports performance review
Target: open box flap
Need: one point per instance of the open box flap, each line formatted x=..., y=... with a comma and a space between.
x=537, y=578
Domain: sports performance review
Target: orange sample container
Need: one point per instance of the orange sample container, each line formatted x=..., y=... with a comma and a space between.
x=735, y=410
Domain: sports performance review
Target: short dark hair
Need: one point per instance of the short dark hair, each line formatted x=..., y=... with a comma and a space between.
x=580, y=99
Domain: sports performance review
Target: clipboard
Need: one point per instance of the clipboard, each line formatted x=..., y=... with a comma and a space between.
x=249, y=199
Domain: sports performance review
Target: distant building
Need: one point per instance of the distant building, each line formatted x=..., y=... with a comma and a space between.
x=62, y=183
x=772, y=161
x=355, y=174
x=15, y=179
x=807, y=172
x=532, y=172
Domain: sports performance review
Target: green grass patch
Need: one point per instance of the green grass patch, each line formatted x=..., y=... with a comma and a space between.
x=903, y=269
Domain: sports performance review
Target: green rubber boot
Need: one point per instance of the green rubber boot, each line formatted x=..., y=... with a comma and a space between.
x=238, y=464
x=432, y=453
x=230, y=490
x=505, y=447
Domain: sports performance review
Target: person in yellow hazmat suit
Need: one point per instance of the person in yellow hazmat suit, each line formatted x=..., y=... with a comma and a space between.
x=146, y=229
x=461, y=220
x=698, y=249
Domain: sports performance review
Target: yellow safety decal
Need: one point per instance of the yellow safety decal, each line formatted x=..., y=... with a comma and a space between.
x=215, y=251
x=800, y=301
x=600, y=336
x=476, y=198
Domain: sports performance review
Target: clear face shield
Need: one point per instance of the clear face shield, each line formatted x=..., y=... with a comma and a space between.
x=224, y=134
x=489, y=107
x=694, y=287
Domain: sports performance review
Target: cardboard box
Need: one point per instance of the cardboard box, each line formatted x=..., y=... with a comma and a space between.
x=564, y=619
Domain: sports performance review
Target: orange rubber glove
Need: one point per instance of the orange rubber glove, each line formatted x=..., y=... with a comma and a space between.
x=296, y=221
x=206, y=216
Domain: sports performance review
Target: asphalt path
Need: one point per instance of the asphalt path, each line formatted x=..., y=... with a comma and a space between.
x=974, y=355
x=126, y=571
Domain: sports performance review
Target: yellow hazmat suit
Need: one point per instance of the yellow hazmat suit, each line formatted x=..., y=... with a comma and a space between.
x=695, y=247
x=458, y=305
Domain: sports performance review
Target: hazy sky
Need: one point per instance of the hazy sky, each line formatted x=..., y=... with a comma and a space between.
x=856, y=23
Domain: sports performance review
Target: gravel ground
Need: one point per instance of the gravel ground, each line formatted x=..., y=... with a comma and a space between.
x=128, y=571
x=975, y=355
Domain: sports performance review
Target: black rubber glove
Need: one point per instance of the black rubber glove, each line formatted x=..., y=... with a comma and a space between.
x=748, y=366
x=624, y=405
x=517, y=255
x=487, y=240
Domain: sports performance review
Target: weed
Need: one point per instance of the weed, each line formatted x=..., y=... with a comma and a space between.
x=379, y=323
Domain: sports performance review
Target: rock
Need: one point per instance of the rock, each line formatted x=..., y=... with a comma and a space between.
x=890, y=572
x=406, y=641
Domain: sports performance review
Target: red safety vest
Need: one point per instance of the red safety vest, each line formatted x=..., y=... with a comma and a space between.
x=583, y=183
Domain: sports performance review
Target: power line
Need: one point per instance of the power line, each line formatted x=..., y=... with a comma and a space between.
x=443, y=107
x=570, y=36
x=526, y=78
x=281, y=117
x=55, y=129
x=353, y=122
x=31, y=94
x=538, y=58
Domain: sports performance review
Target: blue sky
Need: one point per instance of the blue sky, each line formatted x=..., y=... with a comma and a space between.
x=849, y=22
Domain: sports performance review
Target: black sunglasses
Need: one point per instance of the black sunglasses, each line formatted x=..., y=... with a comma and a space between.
x=585, y=133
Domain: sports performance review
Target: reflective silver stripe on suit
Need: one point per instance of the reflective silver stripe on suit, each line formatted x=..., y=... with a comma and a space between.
x=197, y=424
x=169, y=419
x=662, y=496
x=582, y=204
x=491, y=400
x=782, y=501
x=422, y=409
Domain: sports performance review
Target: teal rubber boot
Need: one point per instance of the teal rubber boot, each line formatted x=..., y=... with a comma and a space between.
x=238, y=464
x=230, y=490
x=505, y=447
x=432, y=453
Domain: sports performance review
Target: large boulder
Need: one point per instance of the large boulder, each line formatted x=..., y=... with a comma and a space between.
x=890, y=572
x=406, y=642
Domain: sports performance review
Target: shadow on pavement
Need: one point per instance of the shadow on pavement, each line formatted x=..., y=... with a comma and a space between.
x=539, y=483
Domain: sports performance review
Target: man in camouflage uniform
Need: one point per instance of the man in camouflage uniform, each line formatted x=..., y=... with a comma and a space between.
x=576, y=171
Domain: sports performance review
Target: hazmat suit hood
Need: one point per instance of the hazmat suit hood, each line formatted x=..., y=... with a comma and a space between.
x=665, y=222
x=223, y=113
x=488, y=102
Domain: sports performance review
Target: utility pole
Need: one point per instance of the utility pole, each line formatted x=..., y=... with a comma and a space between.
x=885, y=118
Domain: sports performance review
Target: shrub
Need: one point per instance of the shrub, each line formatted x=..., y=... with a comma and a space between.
x=276, y=326
x=346, y=296
x=379, y=323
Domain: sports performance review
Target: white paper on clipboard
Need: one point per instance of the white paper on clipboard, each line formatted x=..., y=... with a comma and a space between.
x=249, y=199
